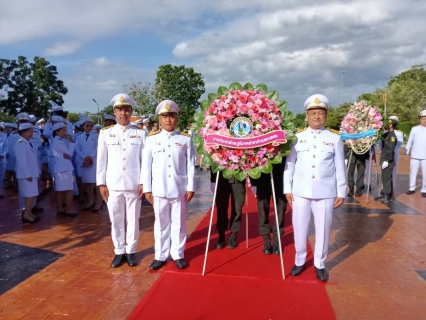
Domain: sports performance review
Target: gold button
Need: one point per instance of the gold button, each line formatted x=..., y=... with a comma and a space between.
x=169, y=146
x=124, y=168
x=169, y=156
x=313, y=156
x=313, y=166
x=124, y=149
x=169, y=166
x=124, y=158
x=313, y=177
x=315, y=146
x=169, y=176
x=315, y=137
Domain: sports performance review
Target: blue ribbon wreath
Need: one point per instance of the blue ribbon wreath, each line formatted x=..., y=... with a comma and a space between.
x=356, y=136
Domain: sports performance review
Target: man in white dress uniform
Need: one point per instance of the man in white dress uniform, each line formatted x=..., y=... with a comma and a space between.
x=118, y=175
x=417, y=145
x=314, y=181
x=169, y=184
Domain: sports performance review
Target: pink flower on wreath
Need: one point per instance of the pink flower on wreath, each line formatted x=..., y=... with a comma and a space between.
x=243, y=109
x=256, y=133
x=263, y=162
x=213, y=122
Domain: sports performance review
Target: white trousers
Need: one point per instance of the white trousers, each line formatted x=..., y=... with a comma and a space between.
x=414, y=169
x=124, y=211
x=322, y=210
x=169, y=227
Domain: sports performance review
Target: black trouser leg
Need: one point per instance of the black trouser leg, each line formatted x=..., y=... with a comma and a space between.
x=222, y=203
x=238, y=195
x=351, y=173
x=281, y=206
x=263, y=201
x=387, y=180
x=360, y=175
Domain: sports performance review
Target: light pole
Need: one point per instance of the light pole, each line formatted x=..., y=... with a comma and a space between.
x=98, y=110
x=341, y=91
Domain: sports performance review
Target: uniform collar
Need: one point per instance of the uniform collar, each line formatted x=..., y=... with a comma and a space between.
x=316, y=131
x=168, y=134
x=123, y=128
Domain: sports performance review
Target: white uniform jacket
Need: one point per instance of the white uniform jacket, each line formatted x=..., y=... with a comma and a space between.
x=36, y=142
x=119, y=157
x=11, y=142
x=48, y=133
x=315, y=168
x=3, y=146
x=26, y=160
x=60, y=147
x=168, y=164
x=86, y=146
x=417, y=142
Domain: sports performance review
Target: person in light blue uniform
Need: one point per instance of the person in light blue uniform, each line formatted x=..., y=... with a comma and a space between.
x=3, y=154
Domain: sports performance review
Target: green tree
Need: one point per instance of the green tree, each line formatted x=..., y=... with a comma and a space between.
x=182, y=85
x=108, y=110
x=144, y=95
x=336, y=115
x=73, y=117
x=4, y=117
x=300, y=120
x=29, y=86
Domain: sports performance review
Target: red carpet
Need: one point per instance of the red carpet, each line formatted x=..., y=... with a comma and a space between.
x=239, y=284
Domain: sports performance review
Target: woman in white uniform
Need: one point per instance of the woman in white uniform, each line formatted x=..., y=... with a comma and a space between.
x=86, y=148
x=63, y=149
x=26, y=172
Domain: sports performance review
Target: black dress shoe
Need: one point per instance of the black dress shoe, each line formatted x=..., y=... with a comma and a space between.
x=423, y=194
x=381, y=198
x=221, y=241
x=35, y=220
x=180, y=263
x=1, y=196
x=358, y=193
x=276, y=247
x=70, y=214
x=410, y=192
x=118, y=260
x=88, y=208
x=297, y=270
x=36, y=209
x=322, y=274
x=157, y=264
x=98, y=209
x=386, y=199
x=232, y=244
x=267, y=249
x=131, y=259
x=350, y=194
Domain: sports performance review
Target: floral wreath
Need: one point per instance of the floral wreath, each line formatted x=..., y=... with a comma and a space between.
x=260, y=112
x=361, y=127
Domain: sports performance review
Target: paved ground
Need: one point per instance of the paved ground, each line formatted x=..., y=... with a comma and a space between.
x=60, y=267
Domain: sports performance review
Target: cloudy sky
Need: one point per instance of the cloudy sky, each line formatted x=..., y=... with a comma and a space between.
x=296, y=46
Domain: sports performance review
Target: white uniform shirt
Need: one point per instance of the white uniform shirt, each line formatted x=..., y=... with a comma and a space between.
x=119, y=157
x=36, y=142
x=3, y=146
x=11, y=142
x=417, y=142
x=48, y=133
x=315, y=168
x=168, y=164
x=26, y=156
x=60, y=147
x=86, y=146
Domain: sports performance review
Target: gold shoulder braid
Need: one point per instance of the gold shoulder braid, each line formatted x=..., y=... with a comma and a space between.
x=107, y=127
x=185, y=134
x=300, y=130
x=334, y=131
x=153, y=133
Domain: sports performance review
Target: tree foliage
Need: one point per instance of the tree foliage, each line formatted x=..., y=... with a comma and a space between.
x=29, y=86
x=144, y=95
x=73, y=117
x=182, y=85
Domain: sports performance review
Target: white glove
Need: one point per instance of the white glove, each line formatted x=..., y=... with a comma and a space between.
x=346, y=162
x=254, y=190
x=212, y=186
x=385, y=164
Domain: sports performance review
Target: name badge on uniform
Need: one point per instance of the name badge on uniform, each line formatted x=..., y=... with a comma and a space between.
x=328, y=143
x=302, y=141
x=135, y=136
x=112, y=135
x=392, y=139
x=179, y=144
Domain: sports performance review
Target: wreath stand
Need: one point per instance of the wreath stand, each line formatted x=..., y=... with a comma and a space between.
x=276, y=221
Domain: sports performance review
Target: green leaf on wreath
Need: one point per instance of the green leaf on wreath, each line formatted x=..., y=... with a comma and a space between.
x=290, y=126
x=262, y=88
x=255, y=173
x=228, y=173
x=201, y=151
x=267, y=168
x=207, y=161
x=273, y=95
x=277, y=159
x=222, y=91
x=240, y=175
x=198, y=116
x=235, y=86
x=212, y=97
x=282, y=105
x=198, y=140
x=216, y=167
x=204, y=105
x=248, y=86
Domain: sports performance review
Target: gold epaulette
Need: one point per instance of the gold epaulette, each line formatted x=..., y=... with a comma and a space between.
x=185, y=134
x=334, y=131
x=300, y=130
x=153, y=133
x=20, y=140
x=108, y=127
x=399, y=130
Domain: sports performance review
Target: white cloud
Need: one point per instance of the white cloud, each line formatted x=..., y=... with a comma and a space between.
x=62, y=48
